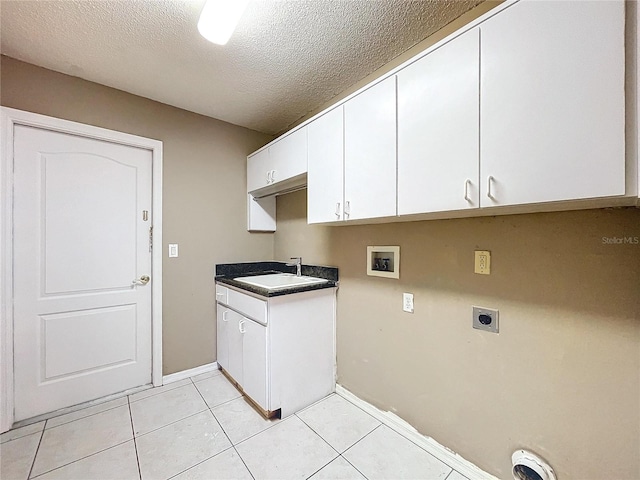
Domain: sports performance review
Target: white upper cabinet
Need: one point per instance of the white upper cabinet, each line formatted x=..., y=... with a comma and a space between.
x=325, y=178
x=438, y=129
x=280, y=166
x=370, y=152
x=552, y=102
x=258, y=170
x=288, y=157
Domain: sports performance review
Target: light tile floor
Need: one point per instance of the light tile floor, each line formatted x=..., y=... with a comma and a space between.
x=202, y=428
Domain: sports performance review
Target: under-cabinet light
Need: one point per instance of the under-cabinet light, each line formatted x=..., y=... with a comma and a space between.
x=219, y=18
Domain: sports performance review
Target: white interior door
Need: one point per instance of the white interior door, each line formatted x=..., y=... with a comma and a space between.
x=82, y=328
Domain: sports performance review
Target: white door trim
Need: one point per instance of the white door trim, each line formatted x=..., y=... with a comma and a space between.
x=9, y=118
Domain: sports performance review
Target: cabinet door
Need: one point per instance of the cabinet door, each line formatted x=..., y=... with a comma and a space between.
x=258, y=168
x=325, y=178
x=288, y=156
x=222, y=337
x=438, y=129
x=254, y=362
x=370, y=152
x=261, y=214
x=234, y=328
x=552, y=102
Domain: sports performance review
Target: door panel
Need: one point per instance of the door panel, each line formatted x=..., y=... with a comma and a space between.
x=235, y=345
x=552, y=103
x=288, y=157
x=254, y=362
x=325, y=178
x=102, y=338
x=222, y=337
x=71, y=197
x=370, y=152
x=82, y=329
x=438, y=129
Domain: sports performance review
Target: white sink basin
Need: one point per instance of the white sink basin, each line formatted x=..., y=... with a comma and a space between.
x=276, y=281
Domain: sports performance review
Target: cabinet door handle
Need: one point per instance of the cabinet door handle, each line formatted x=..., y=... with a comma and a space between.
x=490, y=181
x=224, y=316
x=273, y=176
x=338, y=210
x=240, y=326
x=347, y=208
x=269, y=180
x=466, y=190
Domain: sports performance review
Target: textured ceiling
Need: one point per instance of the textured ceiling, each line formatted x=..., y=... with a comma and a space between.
x=285, y=59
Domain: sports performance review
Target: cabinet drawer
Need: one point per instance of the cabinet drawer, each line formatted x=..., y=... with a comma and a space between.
x=222, y=294
x=248, y=306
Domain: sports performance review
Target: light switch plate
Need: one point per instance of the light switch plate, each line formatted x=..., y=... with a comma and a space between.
x=483, y=262
x=173, y=250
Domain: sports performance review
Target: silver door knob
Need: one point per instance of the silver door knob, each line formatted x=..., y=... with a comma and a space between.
x=144, y=279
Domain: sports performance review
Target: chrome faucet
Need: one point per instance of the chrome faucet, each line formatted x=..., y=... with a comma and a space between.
x=298, y=265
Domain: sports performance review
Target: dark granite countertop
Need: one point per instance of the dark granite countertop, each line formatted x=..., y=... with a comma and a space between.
x=226, y=272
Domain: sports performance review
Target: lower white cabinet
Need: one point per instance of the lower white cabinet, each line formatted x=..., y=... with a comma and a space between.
x=279, y=350
x=254, y=361
x=222, y=341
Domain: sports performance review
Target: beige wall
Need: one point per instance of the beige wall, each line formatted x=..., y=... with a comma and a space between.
x=204, y=183
x=561, y=378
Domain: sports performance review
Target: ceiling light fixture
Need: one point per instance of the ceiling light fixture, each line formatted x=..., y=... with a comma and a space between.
x=219, y=18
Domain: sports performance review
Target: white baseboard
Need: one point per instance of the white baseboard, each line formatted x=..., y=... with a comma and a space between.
x=455, y=461
x=176, y=377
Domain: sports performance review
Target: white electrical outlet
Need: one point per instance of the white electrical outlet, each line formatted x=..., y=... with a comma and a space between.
x=173, y=250
x=407, y=302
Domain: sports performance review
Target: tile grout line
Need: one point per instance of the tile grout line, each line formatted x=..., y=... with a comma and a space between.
x=37, y=450
x=347, y=460
x=216, y=406
x=357, y=406
x=135, y=444
x=158, y=393
x=325, y=398
x=323, y=466
x=356, y=468
x=170, y=423
x=403, y=435
x=362, y=439
x=339, y=454
x=243, y=462
x=200, y=463
x=310, y=428
x=221, y=428
x=451, y=472
x=79, y=459
x=212, y=414
x=81, y=418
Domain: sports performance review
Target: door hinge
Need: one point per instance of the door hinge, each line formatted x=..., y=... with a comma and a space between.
x=151, y=238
